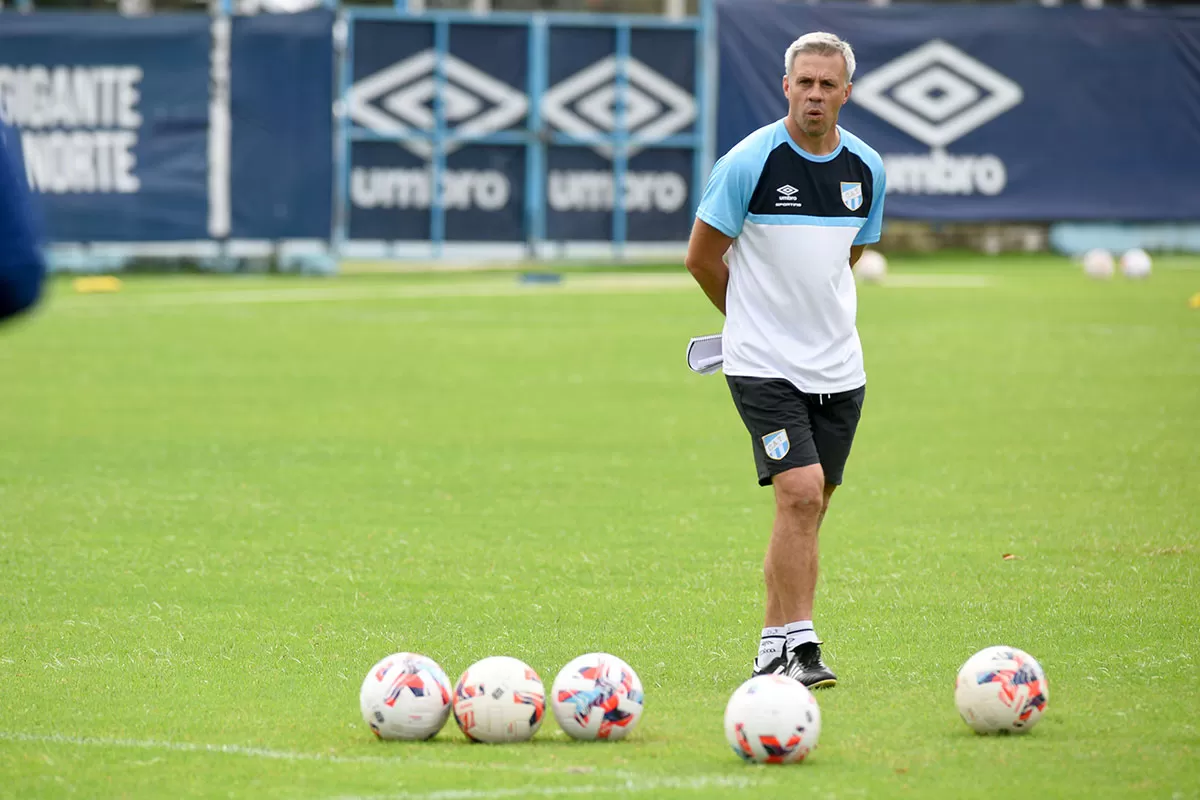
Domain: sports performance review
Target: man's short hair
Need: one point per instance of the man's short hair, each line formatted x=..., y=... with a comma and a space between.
x=823, y=44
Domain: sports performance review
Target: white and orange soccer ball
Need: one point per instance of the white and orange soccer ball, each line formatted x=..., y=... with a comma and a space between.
x=1098, y=264
x=499, y=699
x=597, y=696
x=772, y=719
x=1001, y=690
x=405, y=696
x=871, y=267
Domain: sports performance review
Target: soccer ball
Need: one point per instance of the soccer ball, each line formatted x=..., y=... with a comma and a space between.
x=597, y=696
x=1135, y=263
x=1098, y=263
x=1001, y=690
x=499, y=699
x=405, y=696
x=871, y=267
x=772, y=719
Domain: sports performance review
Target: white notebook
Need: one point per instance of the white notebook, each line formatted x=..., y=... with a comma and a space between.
x=704, y=354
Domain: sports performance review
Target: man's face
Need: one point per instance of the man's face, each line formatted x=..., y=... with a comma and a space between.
x=816, y=90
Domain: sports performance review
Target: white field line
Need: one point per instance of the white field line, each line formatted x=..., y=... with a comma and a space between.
x=267, y=753
x=623, y=781
x=627, y=786
x=571, y=284
x=937, y=281
x=599, y=284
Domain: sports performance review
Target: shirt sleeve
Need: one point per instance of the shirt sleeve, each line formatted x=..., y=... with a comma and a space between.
x=869, y=232
x=22, y=268
x=726, y=197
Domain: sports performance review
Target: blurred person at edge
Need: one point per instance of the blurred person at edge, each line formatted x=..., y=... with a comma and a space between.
x=22, y=266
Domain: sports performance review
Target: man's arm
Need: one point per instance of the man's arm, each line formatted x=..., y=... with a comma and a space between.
x=873, y=227
x=705, y=260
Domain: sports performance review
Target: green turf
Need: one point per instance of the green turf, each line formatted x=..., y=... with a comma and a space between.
x=216, y=515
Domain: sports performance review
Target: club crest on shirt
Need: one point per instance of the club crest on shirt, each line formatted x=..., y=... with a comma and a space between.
x=852, y=195
x=777, y=444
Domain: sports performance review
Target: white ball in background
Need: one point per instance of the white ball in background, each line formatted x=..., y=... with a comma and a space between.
x=1098, y=263
x=1135, y=263
x=871, y=267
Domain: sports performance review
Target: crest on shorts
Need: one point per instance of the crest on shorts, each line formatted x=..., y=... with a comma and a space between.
x=852, y=195
x=777, y=444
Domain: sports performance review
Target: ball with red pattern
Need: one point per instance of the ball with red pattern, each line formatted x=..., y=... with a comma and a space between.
x=597, y=696
x=1001, y=690
x=499, y=699
x=405, y=696
x=772, y=719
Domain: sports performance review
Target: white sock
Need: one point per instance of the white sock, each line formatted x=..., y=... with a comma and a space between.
x=799, y=633
x=770, y=646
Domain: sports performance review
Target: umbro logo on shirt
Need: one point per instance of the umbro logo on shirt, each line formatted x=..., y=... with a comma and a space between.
x=787, y=197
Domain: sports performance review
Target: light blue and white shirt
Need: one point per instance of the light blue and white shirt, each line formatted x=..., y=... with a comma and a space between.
x=791, y=304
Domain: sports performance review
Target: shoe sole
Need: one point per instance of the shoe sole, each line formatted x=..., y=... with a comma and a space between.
x=827, y=684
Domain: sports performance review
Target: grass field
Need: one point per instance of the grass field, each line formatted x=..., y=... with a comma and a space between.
x=223, y=499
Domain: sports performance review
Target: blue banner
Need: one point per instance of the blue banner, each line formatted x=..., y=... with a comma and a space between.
x=113, y=113
x=281, y=102
x=995, y=112
x=487, y=93
x=659, y=102
x=395, y=82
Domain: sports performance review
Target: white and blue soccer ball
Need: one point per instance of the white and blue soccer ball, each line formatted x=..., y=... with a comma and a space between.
x=597, y=696
x=772, y=719
x=405, y=696
x=1135, y=264
x=499, y=699
x=1001, y=690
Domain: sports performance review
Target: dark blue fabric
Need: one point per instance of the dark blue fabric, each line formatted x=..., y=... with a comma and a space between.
x=281, y=103
x=21, y=266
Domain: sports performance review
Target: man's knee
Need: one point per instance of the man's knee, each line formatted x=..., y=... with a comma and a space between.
x=801, y=491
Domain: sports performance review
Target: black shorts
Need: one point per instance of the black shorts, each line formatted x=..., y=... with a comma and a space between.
x=790, y=428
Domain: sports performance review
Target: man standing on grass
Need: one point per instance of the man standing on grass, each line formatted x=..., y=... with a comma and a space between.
x=783, y=219
x=21, y=265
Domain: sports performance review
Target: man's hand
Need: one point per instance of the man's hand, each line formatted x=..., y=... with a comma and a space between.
x=706, y=249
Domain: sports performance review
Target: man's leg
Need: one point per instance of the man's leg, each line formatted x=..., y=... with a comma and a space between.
x=791, y=564
x=801, y=499
x=775, y=616
x=777, y=417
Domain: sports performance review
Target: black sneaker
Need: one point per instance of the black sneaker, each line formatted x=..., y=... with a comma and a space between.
x=806, y=666
x=775, y=666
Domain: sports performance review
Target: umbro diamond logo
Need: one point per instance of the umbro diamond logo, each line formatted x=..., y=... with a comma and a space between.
x=787, y=197
x=936, y=93
x=584, y=104
x=398, y=100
